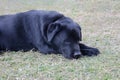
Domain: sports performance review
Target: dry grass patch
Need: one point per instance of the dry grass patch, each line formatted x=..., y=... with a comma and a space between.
x=100, y=22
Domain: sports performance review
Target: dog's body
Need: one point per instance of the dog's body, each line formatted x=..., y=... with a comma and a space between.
x=45, y=31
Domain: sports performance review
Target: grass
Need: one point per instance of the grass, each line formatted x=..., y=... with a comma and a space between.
x=100, y=22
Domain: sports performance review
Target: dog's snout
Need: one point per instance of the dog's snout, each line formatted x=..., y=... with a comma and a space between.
x=77, y=55
x=80, y=36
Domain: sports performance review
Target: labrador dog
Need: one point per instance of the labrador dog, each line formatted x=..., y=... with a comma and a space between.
x=45, y=31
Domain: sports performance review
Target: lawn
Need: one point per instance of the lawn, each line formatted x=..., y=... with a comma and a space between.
x=100, y=22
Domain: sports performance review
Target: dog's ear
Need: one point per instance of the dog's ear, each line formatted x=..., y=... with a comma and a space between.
x=52, y=30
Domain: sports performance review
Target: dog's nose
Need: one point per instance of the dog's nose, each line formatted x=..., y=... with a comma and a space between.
x=77, y=55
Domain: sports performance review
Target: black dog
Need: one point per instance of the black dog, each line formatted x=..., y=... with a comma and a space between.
x=45, y=31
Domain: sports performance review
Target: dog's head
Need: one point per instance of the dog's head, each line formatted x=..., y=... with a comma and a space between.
x=64, y=36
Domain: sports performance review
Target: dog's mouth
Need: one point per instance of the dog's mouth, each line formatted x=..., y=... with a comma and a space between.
x=74, y=55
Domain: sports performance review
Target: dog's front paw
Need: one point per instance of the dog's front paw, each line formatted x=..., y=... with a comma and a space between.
x=90, y=52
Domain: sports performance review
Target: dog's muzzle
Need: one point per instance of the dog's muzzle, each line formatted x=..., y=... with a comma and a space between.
x=77, y=55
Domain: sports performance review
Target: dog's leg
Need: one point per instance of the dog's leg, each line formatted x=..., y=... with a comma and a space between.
x=88, y=51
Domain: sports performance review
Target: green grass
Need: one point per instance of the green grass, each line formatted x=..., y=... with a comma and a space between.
x=100, y=22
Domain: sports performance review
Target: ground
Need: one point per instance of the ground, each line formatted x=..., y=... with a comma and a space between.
x=100, y=22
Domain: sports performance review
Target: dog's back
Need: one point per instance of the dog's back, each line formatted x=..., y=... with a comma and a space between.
x=22, y=30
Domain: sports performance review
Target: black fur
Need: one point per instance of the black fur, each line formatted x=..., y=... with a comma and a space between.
x=45, y=31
